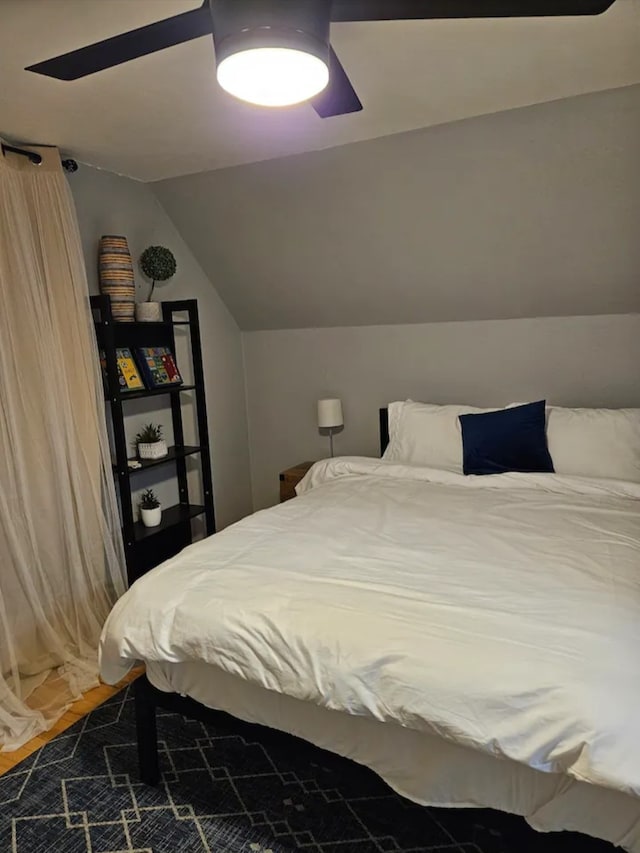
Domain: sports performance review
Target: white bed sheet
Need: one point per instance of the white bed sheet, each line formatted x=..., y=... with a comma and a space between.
x=501, y=614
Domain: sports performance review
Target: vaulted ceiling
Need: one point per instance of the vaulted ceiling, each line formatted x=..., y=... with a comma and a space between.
x=163, y=115
x=492, y=174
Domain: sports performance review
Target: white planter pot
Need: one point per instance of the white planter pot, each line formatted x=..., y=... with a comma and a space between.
x=148, y=312
x=151, y=517
x=156, y=450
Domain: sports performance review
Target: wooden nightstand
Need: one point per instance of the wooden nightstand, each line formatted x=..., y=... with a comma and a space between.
x=290, y=478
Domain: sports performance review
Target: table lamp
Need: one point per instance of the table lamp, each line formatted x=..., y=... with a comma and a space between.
x=330, y=417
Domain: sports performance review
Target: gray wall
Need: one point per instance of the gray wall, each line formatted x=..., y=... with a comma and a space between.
x=528, y=213
x=110, y=204
x=588, y=361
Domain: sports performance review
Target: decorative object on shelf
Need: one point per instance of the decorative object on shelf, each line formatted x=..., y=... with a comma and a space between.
x=150, y=509
x=133, y=464
x=330, y=417
x=158, y=366
x=158, y=264
x=148, y=312
x=115, y=269
x=150, y=442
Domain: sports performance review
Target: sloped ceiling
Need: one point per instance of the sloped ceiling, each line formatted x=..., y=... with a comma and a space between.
x=163, y=115
x=493, y=173
x=528, y=213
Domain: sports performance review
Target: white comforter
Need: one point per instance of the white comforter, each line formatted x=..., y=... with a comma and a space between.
x=498, y=612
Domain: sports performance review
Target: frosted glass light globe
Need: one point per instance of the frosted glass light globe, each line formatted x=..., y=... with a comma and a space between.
x=273, y=76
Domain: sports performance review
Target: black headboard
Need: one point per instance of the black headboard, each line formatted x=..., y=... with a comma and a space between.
x=384, y=429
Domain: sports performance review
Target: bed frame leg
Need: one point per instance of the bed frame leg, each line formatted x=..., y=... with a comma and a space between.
x=147, y=732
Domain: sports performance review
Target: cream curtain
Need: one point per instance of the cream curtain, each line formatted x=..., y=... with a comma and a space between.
x=61, y=560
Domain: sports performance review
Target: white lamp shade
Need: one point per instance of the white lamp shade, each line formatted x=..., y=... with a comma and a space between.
x=330, y=413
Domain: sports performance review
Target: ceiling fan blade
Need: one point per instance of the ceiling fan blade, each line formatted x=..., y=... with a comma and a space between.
x=339, y=97
x=397, y=10
x=127, y=46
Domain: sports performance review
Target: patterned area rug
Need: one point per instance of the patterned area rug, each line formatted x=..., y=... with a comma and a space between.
x=222, y=793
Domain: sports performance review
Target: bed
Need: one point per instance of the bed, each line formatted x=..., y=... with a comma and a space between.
x=473, y=640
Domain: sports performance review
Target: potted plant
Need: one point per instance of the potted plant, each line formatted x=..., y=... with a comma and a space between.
x=150, y=442
x=158, y=264
x=150, y=509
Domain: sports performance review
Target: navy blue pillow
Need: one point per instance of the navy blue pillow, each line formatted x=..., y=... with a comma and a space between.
x=509, y=440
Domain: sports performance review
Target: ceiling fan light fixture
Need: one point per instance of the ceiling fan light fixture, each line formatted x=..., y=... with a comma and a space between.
x=272, y=52
x=273, y=76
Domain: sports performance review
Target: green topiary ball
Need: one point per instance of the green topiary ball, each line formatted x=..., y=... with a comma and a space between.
x=158, y=263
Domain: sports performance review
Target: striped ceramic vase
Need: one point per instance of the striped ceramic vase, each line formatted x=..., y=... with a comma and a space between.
x=116, y=277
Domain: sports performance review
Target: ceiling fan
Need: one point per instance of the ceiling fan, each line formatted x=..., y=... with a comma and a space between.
x=277, y=52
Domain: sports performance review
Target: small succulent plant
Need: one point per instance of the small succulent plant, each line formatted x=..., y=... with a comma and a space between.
x=158, y=264
x=149, y=500
x=149, y=434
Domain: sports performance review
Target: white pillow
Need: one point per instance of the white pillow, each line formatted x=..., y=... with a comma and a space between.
x=427, y=434
x=595, y=442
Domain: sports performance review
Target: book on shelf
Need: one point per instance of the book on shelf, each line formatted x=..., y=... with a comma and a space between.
x=158, y=367
x=132, y=379
x=129, y=378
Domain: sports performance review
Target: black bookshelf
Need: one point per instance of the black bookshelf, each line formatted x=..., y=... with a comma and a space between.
x=151, y=392
x=173, y=454
x=171, y=516
x=147, y=547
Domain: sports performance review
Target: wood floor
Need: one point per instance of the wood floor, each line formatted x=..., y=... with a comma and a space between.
x=79, y=709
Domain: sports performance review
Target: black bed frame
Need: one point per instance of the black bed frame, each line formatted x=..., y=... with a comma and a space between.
x=148, y=699
x=384, y=429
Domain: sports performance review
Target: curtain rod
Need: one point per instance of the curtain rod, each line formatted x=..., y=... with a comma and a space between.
x=68, y=165
x=36, y=159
